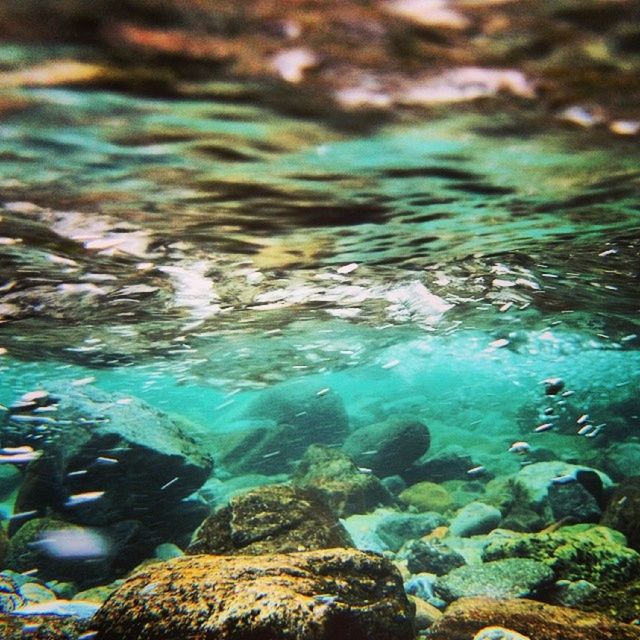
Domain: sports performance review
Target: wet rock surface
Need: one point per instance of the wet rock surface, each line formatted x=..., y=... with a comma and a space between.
x=388, y=448
x=293, y=417
x=536, y=620
x=270, y=519
x=122, y=460
x=623, y=511
x=500, y=579
x=577, y=552
x=42, y=627
x=431, y=556
x=321, y=594
x=338, y=481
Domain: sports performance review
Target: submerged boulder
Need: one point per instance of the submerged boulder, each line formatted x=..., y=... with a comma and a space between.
x=500, y=579
x=49, y=626
x=395, y=528
x=270, y=519
x=579, y=552
x=334, y=477
x=623, y=511
x=451, y=463
x=388, y=448
x=427, y=496
x=320, y=595
x=277, y=428
x=535, y=620
x=430, y=556
x=531, y=485
x=475, y=518
x=106, y=458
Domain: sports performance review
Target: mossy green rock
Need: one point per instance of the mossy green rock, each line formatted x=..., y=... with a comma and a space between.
x=500, y=579
x=579, y=552
x=335, y=478
x=427, y=496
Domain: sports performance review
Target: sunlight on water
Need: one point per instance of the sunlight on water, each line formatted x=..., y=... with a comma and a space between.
x=194, y=289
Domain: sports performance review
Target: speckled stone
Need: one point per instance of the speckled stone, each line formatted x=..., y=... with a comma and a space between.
x=319, y=595
x=501, y=579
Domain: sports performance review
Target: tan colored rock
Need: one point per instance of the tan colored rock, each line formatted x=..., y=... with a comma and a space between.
x=317, y=595
x=426, y=614
x=537, y=620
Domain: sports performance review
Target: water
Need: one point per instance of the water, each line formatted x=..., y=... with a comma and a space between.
x=196, y=250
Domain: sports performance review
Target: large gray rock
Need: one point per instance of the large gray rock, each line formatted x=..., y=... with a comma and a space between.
x=571, y=502
x=106, y=458
x=277, y=428
x=394, y=529
x=450, y=463
x=430, y=556
x=389, y=447
x=333, y=476
x=532, y=483
x=474, y=519
x=500, y=579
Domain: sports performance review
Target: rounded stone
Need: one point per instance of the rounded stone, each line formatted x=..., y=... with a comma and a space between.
x=390, y=447
x=474, y=519
x=427, y=496
x=500, y=579
x=324, y=595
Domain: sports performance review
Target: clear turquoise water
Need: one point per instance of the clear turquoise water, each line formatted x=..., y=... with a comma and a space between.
x=191, y=250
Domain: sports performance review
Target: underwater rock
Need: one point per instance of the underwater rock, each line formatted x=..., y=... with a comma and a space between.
x=64, y=551
x=122, y=460
x=4, y=545
x=535, y=620
x=270, y=519
x=319, y=418
x=427, y=496
x=571, y=502
x=395, y=528
x=500, y=579
x=532, y=483
x=499, y=633
x=41, y=627
x=394, y=484
x=334, y=477
x=430, y=556
x=328, y=594
x=572, y=593
x=623, y=511
x=474, y=519
x=218, y=492
x=10, y=479
x=620, y=460
x=389, y=447
x=102, y=592
x=282, y=423
x=426, y=614
x=451, y=463
x=578, y=552
x=18, y=590
x=620, y=603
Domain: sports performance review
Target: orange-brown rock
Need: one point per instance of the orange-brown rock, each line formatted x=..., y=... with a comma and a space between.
x=317, y=595
x=40, y=627
x=537, y=620
x=270, y=519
